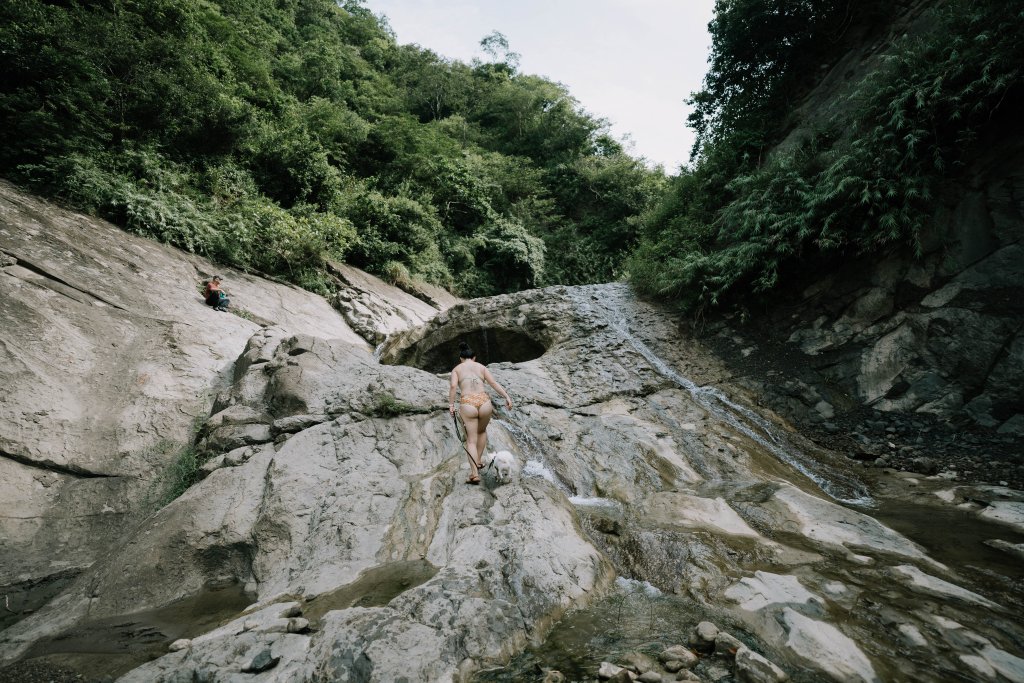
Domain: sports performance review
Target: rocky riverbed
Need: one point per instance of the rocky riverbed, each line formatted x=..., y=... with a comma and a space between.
x=331, y=536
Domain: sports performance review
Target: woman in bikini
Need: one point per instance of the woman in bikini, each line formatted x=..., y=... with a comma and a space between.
x=475, y=407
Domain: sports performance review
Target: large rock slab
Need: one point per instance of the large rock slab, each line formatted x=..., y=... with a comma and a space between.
x=107, y=358
x=334, y=482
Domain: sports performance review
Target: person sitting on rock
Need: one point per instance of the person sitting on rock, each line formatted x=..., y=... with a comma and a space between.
x=215, y=296
x=474, y=405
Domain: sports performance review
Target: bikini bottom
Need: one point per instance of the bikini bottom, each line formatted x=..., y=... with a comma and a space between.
x=475, y=400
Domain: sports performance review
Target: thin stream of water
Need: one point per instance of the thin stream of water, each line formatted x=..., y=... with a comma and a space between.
x=837, y=485
x=536, y=462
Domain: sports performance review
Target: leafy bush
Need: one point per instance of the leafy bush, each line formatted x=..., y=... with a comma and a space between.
x=178, y=477
x=152, y=196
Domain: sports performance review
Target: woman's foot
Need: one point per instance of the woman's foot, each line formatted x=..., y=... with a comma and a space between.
x=473, y=480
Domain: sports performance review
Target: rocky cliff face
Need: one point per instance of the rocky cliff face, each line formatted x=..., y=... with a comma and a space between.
x=108, y=357
x=331, y=536
x=906, y=343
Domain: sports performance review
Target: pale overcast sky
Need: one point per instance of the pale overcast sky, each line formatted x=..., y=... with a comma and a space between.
x=632, y=62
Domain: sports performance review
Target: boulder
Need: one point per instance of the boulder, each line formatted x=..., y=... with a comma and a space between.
x=754, y=668
x=680, y=657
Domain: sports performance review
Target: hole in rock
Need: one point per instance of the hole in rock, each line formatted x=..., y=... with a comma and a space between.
x=436, y=353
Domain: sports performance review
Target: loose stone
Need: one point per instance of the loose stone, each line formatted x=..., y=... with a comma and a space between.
x=607, y=670
x=726, y=645
x=260, y=661
x=754, y=668
x=680, y=654
x=704, y=636
x=298, y=625
x=639, y=662
x=180, y=644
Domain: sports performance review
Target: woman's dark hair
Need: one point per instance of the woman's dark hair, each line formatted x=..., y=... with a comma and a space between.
x=465, y=351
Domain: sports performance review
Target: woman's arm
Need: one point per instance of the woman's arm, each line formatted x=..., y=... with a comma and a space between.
x=494, y=383
x=452, y=386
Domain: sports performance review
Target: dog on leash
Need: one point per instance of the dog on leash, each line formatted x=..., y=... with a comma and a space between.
x=504, y=464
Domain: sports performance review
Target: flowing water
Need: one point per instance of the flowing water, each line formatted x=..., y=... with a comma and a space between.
x=536, y=462
x=672, y=577
x=838, y=485
x=640, y=617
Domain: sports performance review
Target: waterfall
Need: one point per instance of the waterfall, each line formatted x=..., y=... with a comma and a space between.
x=532, y=450
x=837, y=485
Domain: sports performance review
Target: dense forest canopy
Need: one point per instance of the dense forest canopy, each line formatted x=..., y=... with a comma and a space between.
x=274, y=135
x=866, y=178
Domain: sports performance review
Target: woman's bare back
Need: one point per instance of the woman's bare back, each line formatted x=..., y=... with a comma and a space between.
x=472, y=377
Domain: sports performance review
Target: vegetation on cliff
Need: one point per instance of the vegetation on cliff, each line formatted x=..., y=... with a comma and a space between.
x=866, y=178
x=275, y=135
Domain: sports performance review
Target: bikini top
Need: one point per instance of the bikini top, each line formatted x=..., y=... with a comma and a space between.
x=471, y=383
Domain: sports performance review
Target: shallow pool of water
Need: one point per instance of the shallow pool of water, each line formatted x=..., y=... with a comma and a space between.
x=113, y=646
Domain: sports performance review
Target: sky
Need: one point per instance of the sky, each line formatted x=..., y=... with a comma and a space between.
x=632, y=62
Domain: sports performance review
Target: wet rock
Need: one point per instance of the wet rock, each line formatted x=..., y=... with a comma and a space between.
x=337, y=511
x=650, y=677
x=703, y=636
x=825, y=409
x=687, y=675
x=926, y=583
x=823, y=647
x=681, y=656
x=639, y=662
x=1010, y=513
x=765, y=588
x=754, y=668
x=1014, y=549
x=611, y=672
x=180, y=644
x=260, y=660
x=727, y=645
x=912, y=635
x=925, y=466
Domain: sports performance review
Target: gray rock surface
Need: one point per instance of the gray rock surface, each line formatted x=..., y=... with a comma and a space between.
x=333, y=501
x=107, y=358
x=753, y=668
x=376, y=309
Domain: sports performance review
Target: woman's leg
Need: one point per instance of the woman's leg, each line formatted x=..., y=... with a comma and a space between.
x=484, y=415
x=470, y=418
